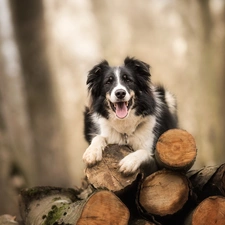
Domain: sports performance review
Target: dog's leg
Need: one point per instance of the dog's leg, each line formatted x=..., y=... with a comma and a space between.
x=93, y=153
x=135, y=160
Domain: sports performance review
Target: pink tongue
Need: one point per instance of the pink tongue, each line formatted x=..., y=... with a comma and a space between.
x=121, y=110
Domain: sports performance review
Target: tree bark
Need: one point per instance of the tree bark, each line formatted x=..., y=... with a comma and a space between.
x=208, y=181
x=176, y=150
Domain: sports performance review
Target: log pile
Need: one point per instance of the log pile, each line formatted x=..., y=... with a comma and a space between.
x=172, y=195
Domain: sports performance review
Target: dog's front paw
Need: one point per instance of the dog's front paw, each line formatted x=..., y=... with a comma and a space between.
x=92, y=155
x=129, y=164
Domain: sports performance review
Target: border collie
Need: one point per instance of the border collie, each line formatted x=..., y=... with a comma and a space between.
x=125, y=108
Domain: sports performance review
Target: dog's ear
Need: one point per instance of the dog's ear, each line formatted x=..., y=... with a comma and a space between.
x=141, y=72
x=137, y=65
x=95, y=77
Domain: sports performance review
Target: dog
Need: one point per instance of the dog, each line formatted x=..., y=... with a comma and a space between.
x=125, y=108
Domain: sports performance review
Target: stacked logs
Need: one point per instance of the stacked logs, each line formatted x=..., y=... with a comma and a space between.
x=171, y=195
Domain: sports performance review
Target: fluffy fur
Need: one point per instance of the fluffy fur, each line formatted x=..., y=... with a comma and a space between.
x=125, y=108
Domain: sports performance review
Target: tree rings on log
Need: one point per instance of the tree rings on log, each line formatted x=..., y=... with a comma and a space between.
x=164, y=193
x=176, y=150
x=106, y=173
x=104, y=207
x=211, y=211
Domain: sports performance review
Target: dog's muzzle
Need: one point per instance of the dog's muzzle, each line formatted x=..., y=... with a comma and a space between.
x=121, y=108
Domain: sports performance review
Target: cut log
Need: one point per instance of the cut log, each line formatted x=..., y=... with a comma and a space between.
x=61, y=206
x=106, y=173
x=37, y=201
x=164, y=193
x=208, y=181
x=102, y=208
x=176, y=150
x=211, y=211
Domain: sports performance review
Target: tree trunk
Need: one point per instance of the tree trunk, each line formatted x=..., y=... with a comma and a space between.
x=17, y=167
x=42, y=110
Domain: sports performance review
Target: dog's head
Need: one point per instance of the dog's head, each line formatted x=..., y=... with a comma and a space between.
x=117, y=88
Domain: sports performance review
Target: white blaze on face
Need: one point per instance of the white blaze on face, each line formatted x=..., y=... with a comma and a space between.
x=120, y=104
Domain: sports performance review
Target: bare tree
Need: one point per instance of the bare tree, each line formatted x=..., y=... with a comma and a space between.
x=43, y=114
x=17, y=162
x=206, y=79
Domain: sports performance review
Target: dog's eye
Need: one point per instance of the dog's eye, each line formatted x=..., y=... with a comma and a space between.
x=109, y=81
x=125, y=77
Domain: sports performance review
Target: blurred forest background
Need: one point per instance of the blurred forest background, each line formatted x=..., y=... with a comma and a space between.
x=46, y=49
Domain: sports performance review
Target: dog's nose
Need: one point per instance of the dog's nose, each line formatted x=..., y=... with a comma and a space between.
x=120, y=93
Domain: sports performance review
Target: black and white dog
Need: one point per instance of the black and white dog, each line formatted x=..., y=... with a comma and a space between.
x=125, y=108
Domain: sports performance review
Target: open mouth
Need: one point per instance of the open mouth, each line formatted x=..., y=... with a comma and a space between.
x=121, y=108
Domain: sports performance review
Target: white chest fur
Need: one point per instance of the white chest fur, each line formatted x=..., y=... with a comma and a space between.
x=135, y=131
